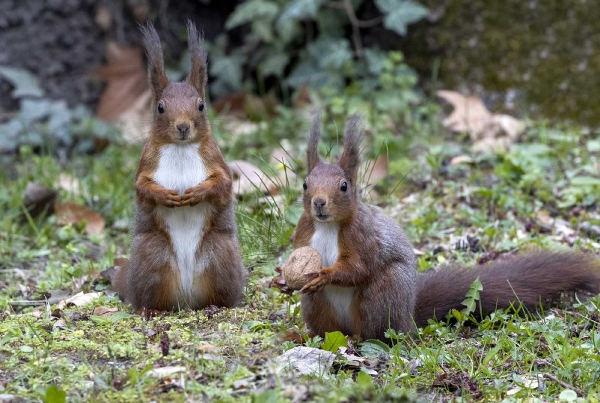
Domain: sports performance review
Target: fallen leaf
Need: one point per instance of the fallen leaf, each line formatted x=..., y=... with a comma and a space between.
x=67, y=183
x=38, y=199
x=461, y=159
x=126, y=76
x=306, y=361
x=206, y=348
x=469, y=115
x=60, y=324
x=165, y=371
x=373, y=171
x=71, y=213
x=248, y=178
x=79, y=299
x=104, y=311
x=135, y=122
x=350, y=357
x=488, y=132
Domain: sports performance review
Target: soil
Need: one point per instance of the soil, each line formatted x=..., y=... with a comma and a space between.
x=60, y=42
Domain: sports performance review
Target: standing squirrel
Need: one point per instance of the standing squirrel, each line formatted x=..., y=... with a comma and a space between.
x=368, y=281
x=185, y=252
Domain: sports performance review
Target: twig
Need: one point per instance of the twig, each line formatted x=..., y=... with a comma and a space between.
x=355, y=22
x=355, y=28
x=565, y=385
x=341, y=5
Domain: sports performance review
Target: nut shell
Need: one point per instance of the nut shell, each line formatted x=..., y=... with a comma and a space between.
x=302, y=261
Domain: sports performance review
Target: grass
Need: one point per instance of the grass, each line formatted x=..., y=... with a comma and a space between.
x=501, y=202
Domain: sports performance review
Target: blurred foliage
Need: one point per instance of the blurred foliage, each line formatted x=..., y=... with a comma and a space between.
x=48, y=124
x=278, y=29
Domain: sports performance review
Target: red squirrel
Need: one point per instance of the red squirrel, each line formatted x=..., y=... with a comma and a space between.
x=185, y=252
x=368, y=281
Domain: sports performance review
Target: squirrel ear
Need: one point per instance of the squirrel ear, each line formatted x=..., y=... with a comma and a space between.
x=350, y=158
x=156, y=65
x=199, y=73
x=312, y=154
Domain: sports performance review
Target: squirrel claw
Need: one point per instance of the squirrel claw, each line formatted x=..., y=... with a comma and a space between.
x=314, y=285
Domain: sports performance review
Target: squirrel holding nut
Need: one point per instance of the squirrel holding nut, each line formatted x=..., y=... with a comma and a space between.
x=368, y=281
x=185, y=252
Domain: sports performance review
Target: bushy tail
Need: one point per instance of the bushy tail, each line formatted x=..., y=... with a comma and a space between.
x=529, y=280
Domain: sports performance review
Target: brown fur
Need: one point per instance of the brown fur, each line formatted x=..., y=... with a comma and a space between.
x=529, y=280
x=152, y=279
x=376, y=258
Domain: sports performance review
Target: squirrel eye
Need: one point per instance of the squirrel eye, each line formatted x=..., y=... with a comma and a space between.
x=161, y=108
x=344, y=187
x=201, y=106
x=304, y=185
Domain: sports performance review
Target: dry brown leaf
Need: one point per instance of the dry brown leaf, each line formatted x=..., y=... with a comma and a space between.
x=206, y=348
x=104, y=311
x=247, y=178
x=79, y=299
x=136, y=121
x=71, y=213
x=469, y=115
x=126, y=75
x=488, y=132
x=374, y=171
x=302, y=100
x=461, y=159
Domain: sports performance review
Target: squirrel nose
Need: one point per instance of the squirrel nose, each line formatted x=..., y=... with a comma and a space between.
x=319, y=202
x=183, y=127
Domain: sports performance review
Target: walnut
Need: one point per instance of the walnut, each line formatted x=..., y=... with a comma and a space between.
x=302, y=261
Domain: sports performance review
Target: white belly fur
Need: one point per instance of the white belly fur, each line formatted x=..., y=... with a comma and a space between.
x=180, y=168
x=325, y=240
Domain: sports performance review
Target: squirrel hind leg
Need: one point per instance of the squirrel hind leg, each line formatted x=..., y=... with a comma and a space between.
x=152, y=282
x=383, y=307
x=318, y=314
x=223, y=277
x=118, y=282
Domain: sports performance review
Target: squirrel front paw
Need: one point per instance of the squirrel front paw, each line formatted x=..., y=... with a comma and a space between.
x=191, y=197
x=315, y=285
x=169, y=198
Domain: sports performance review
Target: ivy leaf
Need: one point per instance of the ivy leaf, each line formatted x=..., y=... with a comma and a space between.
x=374, y=348
x=375, y=60
x=25, y=83
x=334, y=340
x=299, y=10
x=251, y=11
x=275, y=64
x=228, y=71
x=307, y=73
x=401, y=13
x=330, y=52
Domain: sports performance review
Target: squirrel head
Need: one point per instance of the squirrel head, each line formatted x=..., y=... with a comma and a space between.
x=179, y=107
x=331, y=190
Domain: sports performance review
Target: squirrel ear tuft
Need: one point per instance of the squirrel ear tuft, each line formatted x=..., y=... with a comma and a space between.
x=199, y=73
x=312, y=153
x=156, y=65
x=350, y=158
